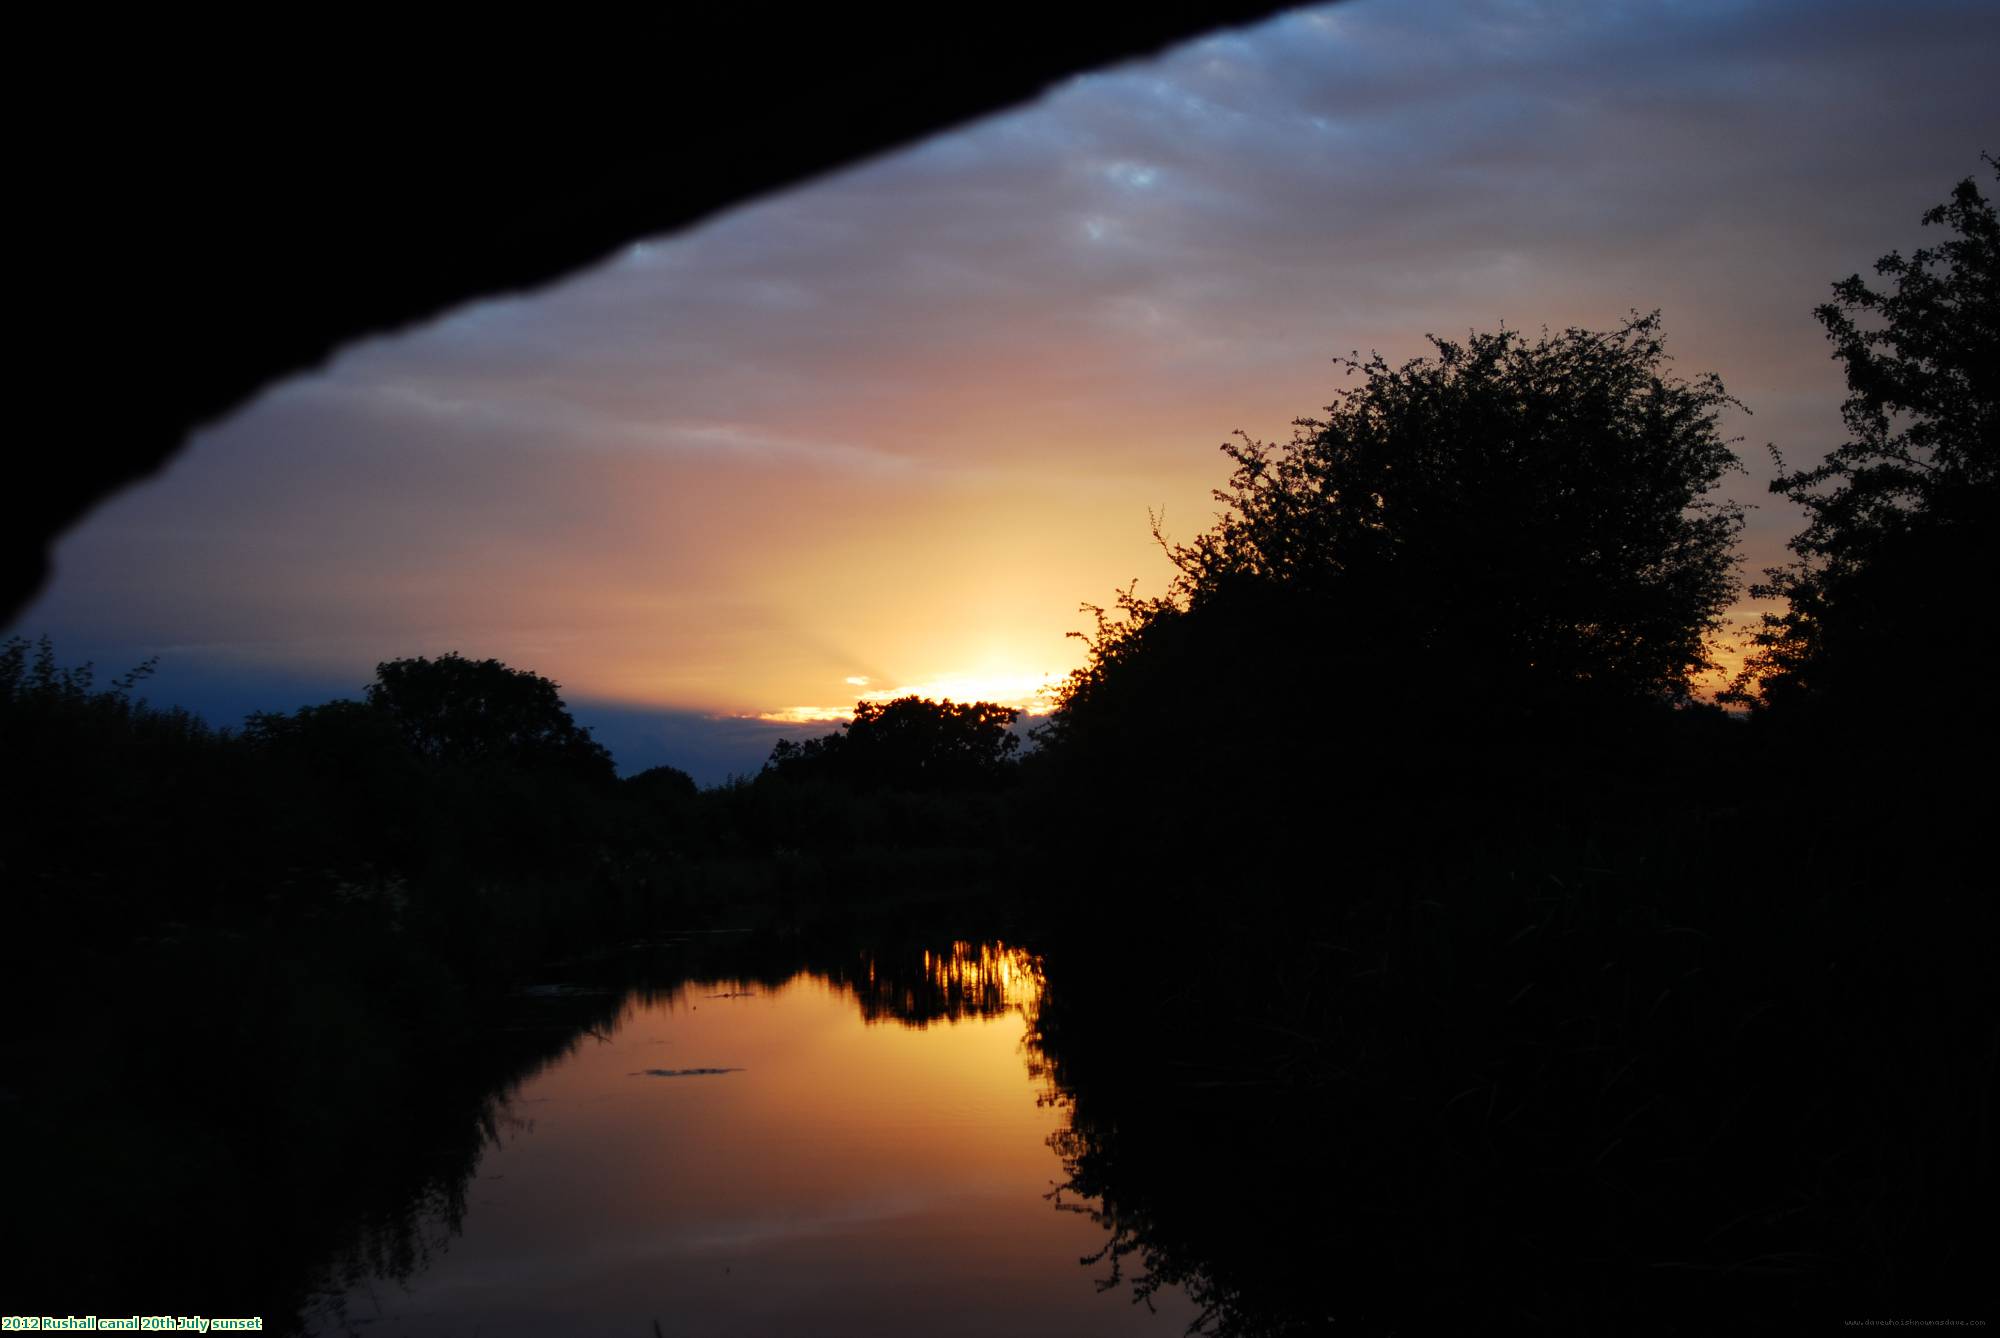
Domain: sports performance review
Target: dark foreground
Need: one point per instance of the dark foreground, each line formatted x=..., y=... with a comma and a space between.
x=1670, y=1076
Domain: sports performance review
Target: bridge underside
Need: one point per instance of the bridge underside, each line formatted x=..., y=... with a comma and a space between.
x=209, y=211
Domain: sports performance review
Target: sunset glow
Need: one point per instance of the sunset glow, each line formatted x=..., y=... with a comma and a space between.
x=883, y=435
x=1265, y=693
x=1031, y=694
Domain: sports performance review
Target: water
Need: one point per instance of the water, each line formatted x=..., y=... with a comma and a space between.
x=862, y=1148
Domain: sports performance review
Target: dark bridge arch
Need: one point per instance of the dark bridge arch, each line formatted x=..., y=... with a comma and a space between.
x=212, y=210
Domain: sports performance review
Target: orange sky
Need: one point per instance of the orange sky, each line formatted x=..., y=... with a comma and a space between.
x=774, y=1164
x=897, y=425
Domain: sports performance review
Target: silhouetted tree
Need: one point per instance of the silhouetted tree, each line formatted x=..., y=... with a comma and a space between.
x=1897, y=544
x=907, y=744
x=661, y=785
x=482, y=713
x=341, y=737
x=1510, y=538
x=30, y=677
x=1523, y=519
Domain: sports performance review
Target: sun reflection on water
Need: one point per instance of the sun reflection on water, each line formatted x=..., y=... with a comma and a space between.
x=967, y=980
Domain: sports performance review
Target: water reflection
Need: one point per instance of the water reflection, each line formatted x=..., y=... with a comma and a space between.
x=771, y=1136
x=964, y=980
x=1208, y=1182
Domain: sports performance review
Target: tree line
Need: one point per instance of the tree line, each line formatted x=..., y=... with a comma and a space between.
x=1408, y=758
x=1492, y=560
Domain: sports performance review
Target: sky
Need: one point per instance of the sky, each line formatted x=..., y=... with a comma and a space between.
x=888, y=431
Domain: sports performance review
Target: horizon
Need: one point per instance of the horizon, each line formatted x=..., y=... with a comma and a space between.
x=886, y=433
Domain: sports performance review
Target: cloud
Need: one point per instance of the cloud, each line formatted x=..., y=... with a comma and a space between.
x=895, y=426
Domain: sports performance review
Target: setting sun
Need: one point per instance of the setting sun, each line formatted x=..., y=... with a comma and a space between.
x=1093, y=671
x=1031, y=694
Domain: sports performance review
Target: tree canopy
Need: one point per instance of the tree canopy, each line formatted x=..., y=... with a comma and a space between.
x=482, y=713
x=910, y=743
x=1504, y=523
x=1895, y=548
x=662, y=784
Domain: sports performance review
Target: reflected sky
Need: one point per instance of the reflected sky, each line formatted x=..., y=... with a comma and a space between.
x=807, y=1171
